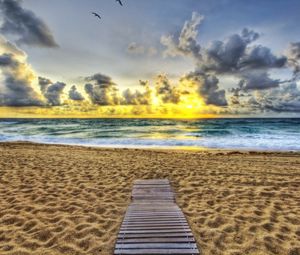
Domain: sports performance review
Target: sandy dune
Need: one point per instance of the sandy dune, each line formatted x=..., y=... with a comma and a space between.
x=71, y=200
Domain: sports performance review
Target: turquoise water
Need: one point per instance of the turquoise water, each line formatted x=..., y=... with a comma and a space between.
x=256, y=134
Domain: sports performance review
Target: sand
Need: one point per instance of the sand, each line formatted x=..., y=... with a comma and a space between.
x=71, y=200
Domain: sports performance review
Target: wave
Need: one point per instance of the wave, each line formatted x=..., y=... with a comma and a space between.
x=224, y=143
x=252, y=134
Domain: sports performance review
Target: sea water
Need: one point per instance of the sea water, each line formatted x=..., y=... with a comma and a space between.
x=251, y=134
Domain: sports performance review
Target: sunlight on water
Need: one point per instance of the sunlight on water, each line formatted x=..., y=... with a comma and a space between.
x=257, y=134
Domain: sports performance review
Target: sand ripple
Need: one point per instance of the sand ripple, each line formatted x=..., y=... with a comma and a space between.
x=71, y=200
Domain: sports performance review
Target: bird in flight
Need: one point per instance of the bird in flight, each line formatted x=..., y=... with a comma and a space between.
x=96, y=15
x=120, y=2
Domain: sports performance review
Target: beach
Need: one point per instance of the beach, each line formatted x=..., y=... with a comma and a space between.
x=59, y=199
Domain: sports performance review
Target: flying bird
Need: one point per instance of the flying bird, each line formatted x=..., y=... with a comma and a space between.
x=96, y=15
x=120, y=2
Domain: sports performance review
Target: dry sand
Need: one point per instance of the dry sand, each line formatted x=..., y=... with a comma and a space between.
x=71, y=200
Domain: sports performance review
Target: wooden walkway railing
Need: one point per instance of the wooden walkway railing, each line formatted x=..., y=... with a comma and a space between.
x=153, y=223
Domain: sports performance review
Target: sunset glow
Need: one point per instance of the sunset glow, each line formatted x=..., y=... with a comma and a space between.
x=170, y=69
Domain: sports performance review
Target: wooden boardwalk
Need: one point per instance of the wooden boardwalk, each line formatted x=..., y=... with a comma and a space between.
x=153, y=223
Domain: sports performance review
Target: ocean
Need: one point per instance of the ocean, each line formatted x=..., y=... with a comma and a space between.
x=281, y=134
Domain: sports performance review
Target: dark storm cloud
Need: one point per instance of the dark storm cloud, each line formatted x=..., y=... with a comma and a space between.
x=167, y=92
x=260, y=57
x=100, y=79
x=134, y=98
x=29, y=28
x=228, y=56
x=44, y=83
x=208, y=88
x=293, y=54
x=237, y=56
x=75, y=95
x=102, y=90
x=52, y=91
x=6, y=60
x=257, y=80
x=232, y=55
x=253, y=81
x=137, y=97
x=16, y=89
x=144, y=83
x=224, y=56
x=285, y=98
x=211, y=92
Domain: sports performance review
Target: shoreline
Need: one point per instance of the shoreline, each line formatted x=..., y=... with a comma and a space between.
x=61, y=199
x=157, y=148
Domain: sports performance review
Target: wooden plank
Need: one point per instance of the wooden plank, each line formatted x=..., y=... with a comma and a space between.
x=157, y=251
x=165, y=228
x=168, y=215
x=158, y=240
x=150, y=202
x=179, y=230
x=157, y=246
x=152, y=235
x=147, y=220
x=153, y=223
x=152, y=180
x=154, y=214
x=155, y=218
x=153, y=210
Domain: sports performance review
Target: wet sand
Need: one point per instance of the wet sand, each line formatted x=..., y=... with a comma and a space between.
x=71, y=200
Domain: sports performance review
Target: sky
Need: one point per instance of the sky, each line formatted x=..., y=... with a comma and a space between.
x=171, y=58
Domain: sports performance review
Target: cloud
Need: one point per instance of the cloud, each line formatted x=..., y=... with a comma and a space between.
x=100, y=79
x=260, y=57
x=285, y=98
x=102, y=90
x=7, y=46
x=138, y=49
x=208, y=88
x=257, y=80
x=44, y=84
x=134, y=48
x=221, y=57
x=186, y=43
x=136, y=98
x=253, y=83
x=52, y=91
x=230, y=56
x=144, y=83
x=235, y=55
x=75, y=95
x=293, y=54
x=167, y=92
x=16, y=88
x=30, y=29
